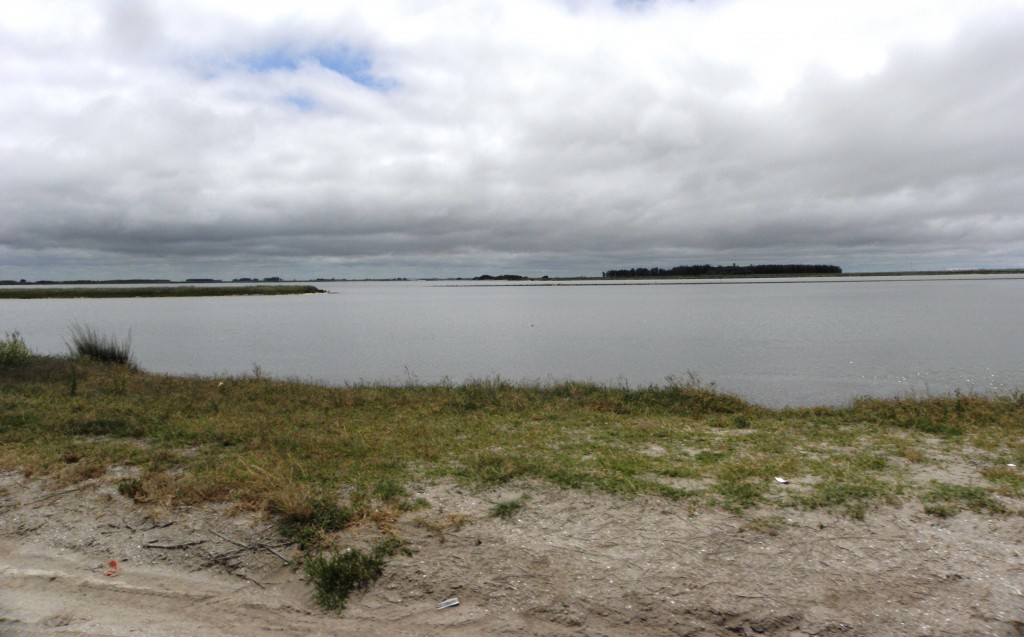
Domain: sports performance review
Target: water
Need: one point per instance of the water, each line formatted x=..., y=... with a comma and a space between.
x=775, y=342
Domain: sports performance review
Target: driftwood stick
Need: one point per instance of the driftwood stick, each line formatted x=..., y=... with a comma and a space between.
x=183, y=545
x=227, y=539
x=271, y=549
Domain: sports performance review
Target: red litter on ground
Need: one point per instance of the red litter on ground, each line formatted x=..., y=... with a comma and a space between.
x=113, y=570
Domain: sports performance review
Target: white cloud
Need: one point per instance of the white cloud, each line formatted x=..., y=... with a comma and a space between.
x=534, y=134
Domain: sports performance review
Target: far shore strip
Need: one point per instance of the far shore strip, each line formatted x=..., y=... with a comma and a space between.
x=156, y=291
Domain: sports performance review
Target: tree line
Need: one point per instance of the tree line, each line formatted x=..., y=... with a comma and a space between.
x=723, y=270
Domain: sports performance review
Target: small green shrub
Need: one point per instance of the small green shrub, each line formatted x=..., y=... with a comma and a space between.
x=13, y=351
x=87, y=342
x=338, y=575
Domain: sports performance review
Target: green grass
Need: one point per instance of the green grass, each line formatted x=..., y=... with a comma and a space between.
x=280, y=445
x=319, y=458
x=154, y=291
x=946, y=500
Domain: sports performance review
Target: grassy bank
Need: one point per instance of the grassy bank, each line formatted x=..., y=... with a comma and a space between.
x=319, y=459
x=284, y=446
x=153, y=291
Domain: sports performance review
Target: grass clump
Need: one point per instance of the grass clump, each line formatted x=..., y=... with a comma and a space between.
x=507, y=509
x=309, y=523
x=337, y=575
x=132, y=488
x=13, y=351
x=853, y=495
x=945, y=500
x=87, y=342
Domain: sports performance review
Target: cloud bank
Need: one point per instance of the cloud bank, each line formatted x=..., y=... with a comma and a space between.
x=558, y=137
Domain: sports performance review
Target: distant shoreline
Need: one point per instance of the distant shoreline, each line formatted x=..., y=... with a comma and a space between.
x=278, y=286
x=152, y=291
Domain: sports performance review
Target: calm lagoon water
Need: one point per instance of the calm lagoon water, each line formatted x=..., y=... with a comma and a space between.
x=775, y=341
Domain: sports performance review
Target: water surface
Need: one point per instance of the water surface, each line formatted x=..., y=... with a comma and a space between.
x=773, y=341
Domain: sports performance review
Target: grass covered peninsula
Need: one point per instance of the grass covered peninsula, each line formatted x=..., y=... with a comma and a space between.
x=153, y=291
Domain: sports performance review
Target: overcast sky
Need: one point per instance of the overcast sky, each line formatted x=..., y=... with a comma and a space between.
x=175, y=139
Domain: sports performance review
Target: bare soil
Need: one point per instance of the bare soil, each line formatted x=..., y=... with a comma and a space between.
x=569, y=563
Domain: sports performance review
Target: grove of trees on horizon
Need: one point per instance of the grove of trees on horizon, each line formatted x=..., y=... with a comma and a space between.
x=722, y=270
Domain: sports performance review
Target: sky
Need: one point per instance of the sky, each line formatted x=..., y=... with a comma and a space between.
x=398, y=138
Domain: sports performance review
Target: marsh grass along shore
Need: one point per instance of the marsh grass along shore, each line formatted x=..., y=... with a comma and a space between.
x=254, y=441
x=319, y=459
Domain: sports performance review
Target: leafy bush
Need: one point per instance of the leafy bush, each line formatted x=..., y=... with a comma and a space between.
x=87, y=342
x=13, y=350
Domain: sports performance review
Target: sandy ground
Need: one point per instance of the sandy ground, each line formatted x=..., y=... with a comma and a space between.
x=570, y=563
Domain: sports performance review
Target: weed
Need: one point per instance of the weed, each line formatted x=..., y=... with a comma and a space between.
x=13, y=351
x=87, y=342
x=506, y=510
x=132, y=488
x=336, y=576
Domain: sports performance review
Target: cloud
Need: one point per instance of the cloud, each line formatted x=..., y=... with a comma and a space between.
x=395, y=138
